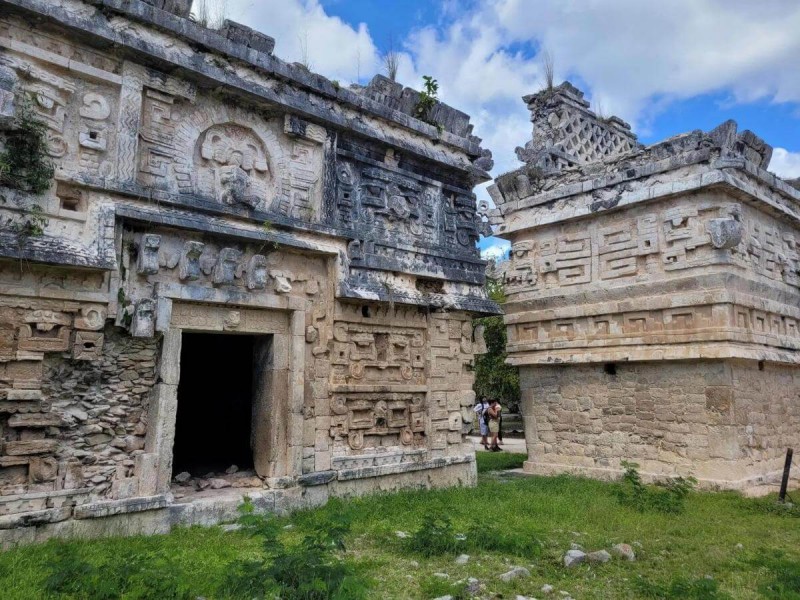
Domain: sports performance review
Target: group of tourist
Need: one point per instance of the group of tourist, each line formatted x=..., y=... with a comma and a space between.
x=490, y=418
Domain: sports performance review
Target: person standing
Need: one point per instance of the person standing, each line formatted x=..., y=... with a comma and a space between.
x=483, y=422
x=494, y=412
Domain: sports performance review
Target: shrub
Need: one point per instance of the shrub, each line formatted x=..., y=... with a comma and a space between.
x=437, y=536
x=310, y=570
x=427, y=100
x=125, y=574
x=669, y=497
x=24, y=164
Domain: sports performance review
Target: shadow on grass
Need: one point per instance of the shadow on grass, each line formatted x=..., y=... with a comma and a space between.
x=498, y=461
x=783, y=575
x=681, y=588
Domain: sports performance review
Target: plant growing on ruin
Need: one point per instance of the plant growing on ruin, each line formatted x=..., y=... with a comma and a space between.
x=24, y=164
x=268, y=229
x=391, y=61
x=304, y=61
x=210, y=13
x=31, y=224
x=427, y=100
x=668, y=497
x=549, y=69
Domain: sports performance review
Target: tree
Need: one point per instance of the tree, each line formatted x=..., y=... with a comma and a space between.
x=493, y=377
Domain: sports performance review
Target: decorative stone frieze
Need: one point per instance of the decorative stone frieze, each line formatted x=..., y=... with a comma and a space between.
x=652, y=298
x=204, y=186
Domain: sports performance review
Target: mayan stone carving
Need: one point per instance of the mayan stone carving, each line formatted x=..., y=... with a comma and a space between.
x=307, y=256
x=652, y=298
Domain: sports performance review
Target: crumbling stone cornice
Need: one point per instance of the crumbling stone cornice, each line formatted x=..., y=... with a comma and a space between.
x=723, y=156
x=308, y=94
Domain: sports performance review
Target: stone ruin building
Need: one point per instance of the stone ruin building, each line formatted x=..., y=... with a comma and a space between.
x=653, y=298
x=243, y=263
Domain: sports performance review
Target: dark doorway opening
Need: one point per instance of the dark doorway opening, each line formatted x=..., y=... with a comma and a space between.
x=215, y=404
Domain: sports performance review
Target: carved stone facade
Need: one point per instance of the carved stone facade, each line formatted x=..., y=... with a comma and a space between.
x=652, y=298
x=250, y=200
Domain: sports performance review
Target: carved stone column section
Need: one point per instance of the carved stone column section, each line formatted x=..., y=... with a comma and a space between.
x=130, y=111
x=297, y=376
x=154, y=469
x=271, y=418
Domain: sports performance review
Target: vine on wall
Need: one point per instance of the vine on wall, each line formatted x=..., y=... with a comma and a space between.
x=24, y=164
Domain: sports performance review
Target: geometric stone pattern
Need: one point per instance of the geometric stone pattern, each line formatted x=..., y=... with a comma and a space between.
x=566, y=132
x=664, y=283
x=202, y=184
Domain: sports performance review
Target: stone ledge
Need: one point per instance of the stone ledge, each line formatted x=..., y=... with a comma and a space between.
x=753, y=485
x=96, y=26
x=39, y=501
x=365, y=472
x=36, y=517
x=715, y=175
x=657, y=352
x=109, y=508
x=318, y=478
x=656, y=296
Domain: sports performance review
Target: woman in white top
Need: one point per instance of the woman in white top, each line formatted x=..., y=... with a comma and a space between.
x=483, y=422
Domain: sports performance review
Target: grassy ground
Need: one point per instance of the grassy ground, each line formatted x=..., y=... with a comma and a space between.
x=689, y=555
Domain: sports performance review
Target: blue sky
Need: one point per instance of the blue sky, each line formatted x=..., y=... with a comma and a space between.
x=665, y=67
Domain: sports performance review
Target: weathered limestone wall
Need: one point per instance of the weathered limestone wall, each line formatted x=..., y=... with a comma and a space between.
x=203, y=185
x=727, y=422
x=652, y=298
x=104, y=403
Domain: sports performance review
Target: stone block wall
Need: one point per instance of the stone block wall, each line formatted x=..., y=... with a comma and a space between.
x=652, y=298
x=728, y=423
x=203, y=185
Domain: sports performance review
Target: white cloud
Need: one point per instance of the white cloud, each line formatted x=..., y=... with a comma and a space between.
x=785, y=164
x=630, y=52
x=636, y=57
x=498, y=251
x=304, y=32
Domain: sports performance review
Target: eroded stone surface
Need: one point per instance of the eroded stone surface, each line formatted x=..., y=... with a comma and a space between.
x=652, y=298
x=245, y=196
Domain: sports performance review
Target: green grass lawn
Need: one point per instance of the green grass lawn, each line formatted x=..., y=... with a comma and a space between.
x=532, y=521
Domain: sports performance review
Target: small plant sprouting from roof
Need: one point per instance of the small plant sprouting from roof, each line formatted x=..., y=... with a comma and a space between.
x=391, y=61
x=427, y=100
x=549, y=69
x=210, y=13
x=304, y=57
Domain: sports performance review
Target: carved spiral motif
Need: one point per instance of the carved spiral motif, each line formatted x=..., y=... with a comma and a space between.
x=356, y=440
x=356, y=370
x=406, y=436
x=344, y=174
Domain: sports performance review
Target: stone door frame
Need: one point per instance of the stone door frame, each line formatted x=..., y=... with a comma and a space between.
x=282, y=452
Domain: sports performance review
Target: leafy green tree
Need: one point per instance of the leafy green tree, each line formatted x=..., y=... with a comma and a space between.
x=493, y=377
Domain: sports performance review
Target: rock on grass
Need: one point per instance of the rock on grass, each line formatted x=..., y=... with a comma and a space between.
x=515, y=573
x=623, y=551
x=574, y=557
x=600, y=556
